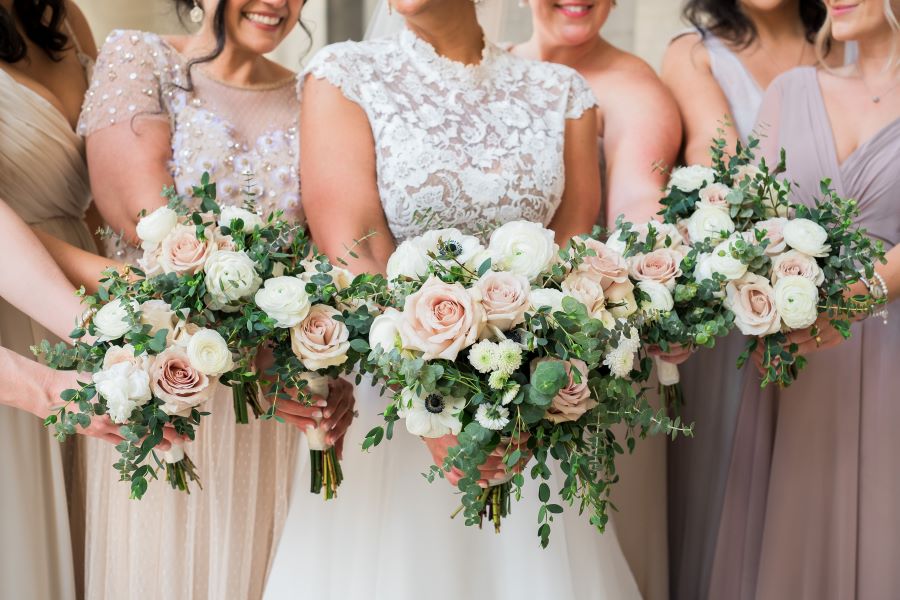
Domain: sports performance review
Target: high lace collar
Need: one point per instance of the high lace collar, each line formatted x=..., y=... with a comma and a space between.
x=426, y=55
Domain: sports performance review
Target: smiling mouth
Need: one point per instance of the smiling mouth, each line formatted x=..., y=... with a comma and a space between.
x=574, y=10
x=843, y=9
x=265, y=20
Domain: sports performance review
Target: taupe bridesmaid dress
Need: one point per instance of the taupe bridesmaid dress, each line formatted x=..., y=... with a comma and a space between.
x=43, y=177
x=811, y=501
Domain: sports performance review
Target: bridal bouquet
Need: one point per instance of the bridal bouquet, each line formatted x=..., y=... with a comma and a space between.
x=516, y=349
x=786, y=265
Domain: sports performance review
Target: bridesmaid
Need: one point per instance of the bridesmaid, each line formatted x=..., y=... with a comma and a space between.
x=638, y=129
x=811, y=504
x=45, y=49
x=161, y=111
x=719, y=72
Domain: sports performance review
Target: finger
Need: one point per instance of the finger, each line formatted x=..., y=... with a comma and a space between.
x=333, y=414
x=300, y=423
x=340, y=428
x=299, y=410
x=164, y=445
x=318, y=401
x=111, y=438
x=339, y=447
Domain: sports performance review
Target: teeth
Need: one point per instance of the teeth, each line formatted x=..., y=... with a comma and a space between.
x=575, y=9
x=263, y=19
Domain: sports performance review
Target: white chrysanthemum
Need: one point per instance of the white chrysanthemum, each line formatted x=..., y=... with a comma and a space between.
x=497, y=380
x=490, y=417
x=510, y=394
x=483, y=356
x=620, y=360
x=632, y=342
x=508, y=357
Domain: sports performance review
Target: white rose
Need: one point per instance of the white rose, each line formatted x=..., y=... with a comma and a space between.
x=546, y=297
x=230, y=213
x=230, y=276
x=284, y=299
x=209, y=353
x=112, y=320
x=125, y=387
x=806, y=236
x=722, y=261
x=694, y=177
x=665, y=235
x=794, y=262
x=408, y=260
x=796, y=298
x=752, y=300
x=708, y=222
x=524, y=248
x=158, y=314
x=153, y=228
x=623, y=295
x=384, y=332
x=660, y=298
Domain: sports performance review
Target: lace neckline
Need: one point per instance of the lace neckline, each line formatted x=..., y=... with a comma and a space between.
x=426, y=55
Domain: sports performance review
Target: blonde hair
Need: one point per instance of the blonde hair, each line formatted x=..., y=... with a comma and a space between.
x=824, y=38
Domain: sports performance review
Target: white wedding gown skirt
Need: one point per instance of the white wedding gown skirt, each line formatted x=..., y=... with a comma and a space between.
x=389, y=535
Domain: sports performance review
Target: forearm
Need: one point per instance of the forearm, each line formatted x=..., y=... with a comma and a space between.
x=30, y=386
x=79, y=266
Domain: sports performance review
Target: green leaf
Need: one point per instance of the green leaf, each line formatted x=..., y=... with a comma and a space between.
x=544, y=492
x=549, y=377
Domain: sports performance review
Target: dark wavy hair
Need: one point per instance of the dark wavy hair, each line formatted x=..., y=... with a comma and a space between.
x=726, y=20
x=218, y=22
x=45, y=32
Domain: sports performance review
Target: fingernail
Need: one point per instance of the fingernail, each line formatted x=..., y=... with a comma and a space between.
x=317, y=414
x=322, y=403
x=328, y=413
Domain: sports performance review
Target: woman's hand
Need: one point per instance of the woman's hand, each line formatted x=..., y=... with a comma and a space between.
x=492, y=469
x=335, y=413
x=676, y=355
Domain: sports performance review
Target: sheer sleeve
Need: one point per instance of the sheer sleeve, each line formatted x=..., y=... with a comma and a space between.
x=768, y=122
x=580, y=97
x=127, y=82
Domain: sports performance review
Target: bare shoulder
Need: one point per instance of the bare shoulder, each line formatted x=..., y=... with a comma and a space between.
x=685, y=53
x=82, y=29
x=627, y=79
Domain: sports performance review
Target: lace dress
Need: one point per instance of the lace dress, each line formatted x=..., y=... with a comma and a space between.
x=467, y=147
x=214, y=543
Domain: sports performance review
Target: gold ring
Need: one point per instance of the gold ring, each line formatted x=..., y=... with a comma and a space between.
x=818, y=339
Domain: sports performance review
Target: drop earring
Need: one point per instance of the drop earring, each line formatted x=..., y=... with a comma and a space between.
x=196, y=14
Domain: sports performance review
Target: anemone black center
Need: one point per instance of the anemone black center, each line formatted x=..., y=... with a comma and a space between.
x=434, y=403
x=451, y=248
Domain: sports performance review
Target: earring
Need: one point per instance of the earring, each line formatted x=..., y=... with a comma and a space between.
x=196, y=13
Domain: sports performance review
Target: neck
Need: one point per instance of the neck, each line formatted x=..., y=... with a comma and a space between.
x=779, y=24
x=543, y=48
x=874, y=52
x=452, y=29
x=233, y=65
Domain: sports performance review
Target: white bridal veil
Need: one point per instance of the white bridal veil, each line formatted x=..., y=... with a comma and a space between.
x=491, y=15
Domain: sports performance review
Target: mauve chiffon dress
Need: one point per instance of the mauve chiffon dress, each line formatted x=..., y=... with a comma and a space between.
x=811, y=502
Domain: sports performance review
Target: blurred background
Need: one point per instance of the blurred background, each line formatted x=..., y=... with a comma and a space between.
x=640, y=26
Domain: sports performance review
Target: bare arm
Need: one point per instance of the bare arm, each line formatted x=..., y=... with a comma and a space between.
x=642, y=136
x=81, y=268
x=580, y=206
x=82, y=29
x=338, y=177
x=686, y=71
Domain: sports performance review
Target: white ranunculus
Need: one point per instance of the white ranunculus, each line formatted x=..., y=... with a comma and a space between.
x=806, y=236
x=284, y=299
x=660, y=298
x=230, y=276
x=384, y=332
x=208, y=352
x=158, y=314
x=794, y=262
x=523, y=247
x=153, y=228
x=721, y=260
x=112, y=321
x=125, y=387
x=231, y=213
x=694, y=177
x=709, y=222
x=796, y=298
x=431, y=416
x=408, y=260
x=546, y=297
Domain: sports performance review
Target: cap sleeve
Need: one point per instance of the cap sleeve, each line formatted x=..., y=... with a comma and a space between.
x=580, y=98
x=126, y=82
x=342, y=66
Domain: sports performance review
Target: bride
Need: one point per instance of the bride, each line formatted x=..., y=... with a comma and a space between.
x=436, y=127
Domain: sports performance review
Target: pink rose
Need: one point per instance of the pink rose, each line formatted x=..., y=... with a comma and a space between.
x=715, y=195
x=608, y=266
x=177, y=383
x=752, y=300
x=774, y=233
x=504, y=296
x=123, y=354
x=586, y=287
x=441, y=319
x=662, y=266
x=794, y=262
x=573, y=400
x=320, y=340
x=181, y=252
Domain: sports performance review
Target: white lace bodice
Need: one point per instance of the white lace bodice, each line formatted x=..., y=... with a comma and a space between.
x=216, y=127
x=460, y=146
